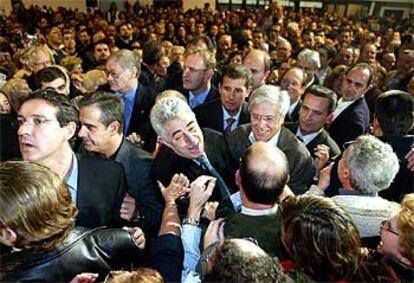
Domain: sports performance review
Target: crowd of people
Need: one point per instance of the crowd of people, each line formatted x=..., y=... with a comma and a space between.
x=248, y=145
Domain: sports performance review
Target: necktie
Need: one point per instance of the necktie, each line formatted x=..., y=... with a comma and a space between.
x=206, y=165
x=229, y=123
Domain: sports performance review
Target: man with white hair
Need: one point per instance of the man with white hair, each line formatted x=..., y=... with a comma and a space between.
x=309, y=61
x=366, y=167
x=185, y=147
x=268, y=106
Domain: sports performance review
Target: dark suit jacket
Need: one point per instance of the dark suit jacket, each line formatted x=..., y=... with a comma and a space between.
x=351, y=123
x=140, y=123
x=9, y=141
x=322, y=138
x=404, y=181
x=299, y=159
x=101, y=188
x=167, y=162
x=294, y=116
x=137, y=164
x=210, y=115
x=264, y=229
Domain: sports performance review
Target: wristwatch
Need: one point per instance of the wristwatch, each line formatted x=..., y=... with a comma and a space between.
x=191, y=221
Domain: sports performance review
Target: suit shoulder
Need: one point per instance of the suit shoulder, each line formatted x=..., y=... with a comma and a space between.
x=94, y=162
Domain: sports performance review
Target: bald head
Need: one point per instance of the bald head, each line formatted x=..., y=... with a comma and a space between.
x=259, y=63
x=264, y=173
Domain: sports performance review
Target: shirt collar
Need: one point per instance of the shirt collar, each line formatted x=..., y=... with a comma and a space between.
x=309, y=137
x=226, y=114
x=259, y=212
x=201, y=97
x=343, y=191
x=129, y=96
x=71, y=177
x=273, y=141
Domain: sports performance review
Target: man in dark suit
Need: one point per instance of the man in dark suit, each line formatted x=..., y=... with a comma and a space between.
x=124, y=70
x=262, y=178
x=230, y=111
x=183, y=144
x=315, y=112
x=197, y=75
x=268, y=106
x=394, y=118
x=47, y=122
x=351, y=117
x=101, y=117
x=294, y=81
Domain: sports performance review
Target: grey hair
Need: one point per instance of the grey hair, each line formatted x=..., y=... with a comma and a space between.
x=272, y=94
x=372, y=164
x=309, y=57
x=127, y=60
x=167, y=109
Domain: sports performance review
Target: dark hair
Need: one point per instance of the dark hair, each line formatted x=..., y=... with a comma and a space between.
x=324, y=92
x=152, y=52
x=66, y=111
x=237, y=71
x=394, y=110
x=260, y=186
x=50, y=74
x=231, y=264
x=363, y=66
x=330, y=50
x=328, y=248
x=111, y=107
x=102, y=41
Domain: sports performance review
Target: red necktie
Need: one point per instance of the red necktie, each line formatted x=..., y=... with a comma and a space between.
x=229, y=123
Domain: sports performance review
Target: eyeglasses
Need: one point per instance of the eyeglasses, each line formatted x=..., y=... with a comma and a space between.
x=267, y=119
x=386, y=225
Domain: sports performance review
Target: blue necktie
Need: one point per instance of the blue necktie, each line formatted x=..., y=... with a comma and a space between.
x=206, y=165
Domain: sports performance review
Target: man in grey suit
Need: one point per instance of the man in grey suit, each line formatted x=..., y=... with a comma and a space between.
x=101, y=116
x=268, y=106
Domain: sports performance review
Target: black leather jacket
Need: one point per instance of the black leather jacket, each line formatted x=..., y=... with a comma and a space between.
x=85, y=250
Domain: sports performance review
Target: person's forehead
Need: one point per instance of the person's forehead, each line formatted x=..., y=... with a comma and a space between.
x=315, y=101
x=194, y=59
x=91, y=113
x=37, y=107
x=358, y=74
x=293, y=74
x=238, y=82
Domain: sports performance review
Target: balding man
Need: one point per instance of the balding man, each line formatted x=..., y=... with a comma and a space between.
x=262, y=179
x=268, y=106
x=259, y=63
x=351, y=117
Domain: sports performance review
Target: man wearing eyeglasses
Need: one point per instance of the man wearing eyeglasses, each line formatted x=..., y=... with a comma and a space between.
x=197, y=75
x=268, y=107
x=47, y=122
x=123, y=69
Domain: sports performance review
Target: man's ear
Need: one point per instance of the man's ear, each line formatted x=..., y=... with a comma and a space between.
x=329, y=118
x=267, y=74
x=114, y=127
x=238, y=178
x=8, y=237
x=70, y=129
